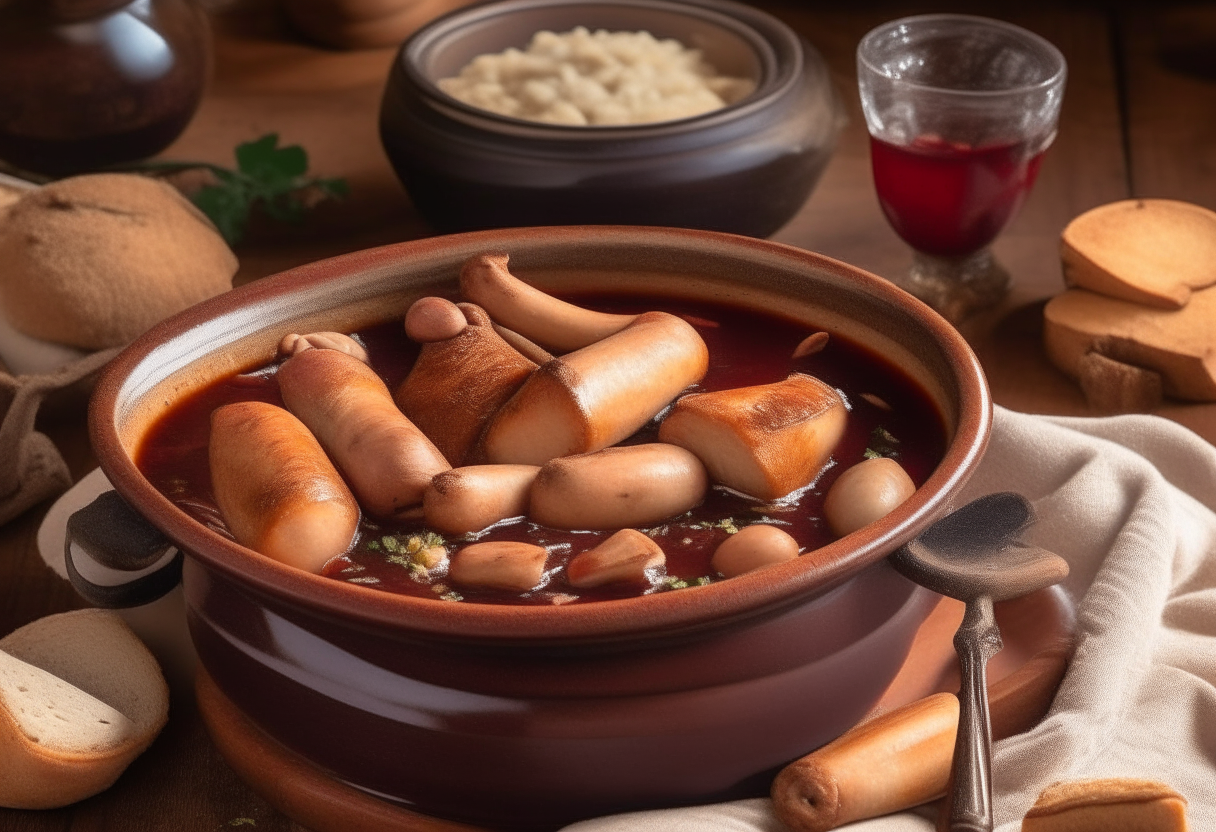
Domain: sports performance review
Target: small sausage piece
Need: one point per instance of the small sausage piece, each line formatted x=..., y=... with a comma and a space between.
x=626, y=557
x=293, y=343
x=277, y=490
x=472, y=498
x=500, y=564
x=751, y=548
x=385, y=458
x=542, y=318
x=864, y=493
x=433, y=319
x=631, y=485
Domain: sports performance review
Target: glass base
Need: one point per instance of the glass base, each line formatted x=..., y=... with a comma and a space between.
x=956, y=287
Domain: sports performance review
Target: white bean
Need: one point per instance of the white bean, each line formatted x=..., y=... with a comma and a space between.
x=864, y=493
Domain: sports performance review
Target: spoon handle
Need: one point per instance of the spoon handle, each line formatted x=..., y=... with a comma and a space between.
x=976, y=641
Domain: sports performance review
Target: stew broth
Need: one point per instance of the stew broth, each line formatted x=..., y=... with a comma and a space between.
x=889, y=415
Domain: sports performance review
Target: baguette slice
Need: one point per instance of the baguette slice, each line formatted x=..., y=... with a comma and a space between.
x=1149, y=251
x=80, y=698
x=1107, y=805
x=1179, y=344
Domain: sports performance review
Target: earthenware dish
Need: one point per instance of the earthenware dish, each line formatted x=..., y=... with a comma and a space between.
x=527, y=717
x=746, y=168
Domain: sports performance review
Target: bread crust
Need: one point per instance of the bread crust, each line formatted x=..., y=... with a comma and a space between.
x=1107, y=804
x=94, y=654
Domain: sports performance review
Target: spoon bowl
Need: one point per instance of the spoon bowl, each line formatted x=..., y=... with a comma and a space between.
x=974, y=552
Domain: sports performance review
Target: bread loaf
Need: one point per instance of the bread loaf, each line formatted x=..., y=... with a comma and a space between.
x=1107, y=805
x=94, y=261
x=80, y=698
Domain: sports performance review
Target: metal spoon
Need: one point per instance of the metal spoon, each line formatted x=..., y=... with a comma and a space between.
x=973, y=555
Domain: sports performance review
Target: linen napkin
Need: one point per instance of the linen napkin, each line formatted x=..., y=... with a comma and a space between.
x=1130, y=502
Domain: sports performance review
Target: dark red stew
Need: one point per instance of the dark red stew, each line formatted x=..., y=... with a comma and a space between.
x=889, y=416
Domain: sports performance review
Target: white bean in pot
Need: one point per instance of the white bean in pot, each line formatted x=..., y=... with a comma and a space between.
x=751, y=548
x=625, y=557
x=864, y=493
x=500, y=564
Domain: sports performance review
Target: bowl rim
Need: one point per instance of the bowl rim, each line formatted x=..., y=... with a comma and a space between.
x=760, y=593
x=776, y=77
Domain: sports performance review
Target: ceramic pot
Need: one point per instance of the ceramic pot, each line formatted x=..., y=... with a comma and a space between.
x=747, y=168
x=528, y=717
x=89, y=83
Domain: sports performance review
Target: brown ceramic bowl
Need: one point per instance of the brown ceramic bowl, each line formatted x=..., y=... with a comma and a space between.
x=747, y=168
x=526, y=717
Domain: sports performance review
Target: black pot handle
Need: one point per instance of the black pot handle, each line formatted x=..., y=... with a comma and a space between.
x=127, y=561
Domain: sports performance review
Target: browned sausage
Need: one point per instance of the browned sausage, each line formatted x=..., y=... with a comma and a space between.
x=387, y=461
x=277, y=490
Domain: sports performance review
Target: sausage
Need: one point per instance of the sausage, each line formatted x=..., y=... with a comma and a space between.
x=276, y=489
x=472, y=498
x=594, y=397
x=387, y=461
x=633, y=485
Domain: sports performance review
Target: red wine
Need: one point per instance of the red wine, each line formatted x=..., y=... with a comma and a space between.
x=948, y=198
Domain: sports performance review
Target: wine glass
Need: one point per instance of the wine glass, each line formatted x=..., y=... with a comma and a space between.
x=960, y=110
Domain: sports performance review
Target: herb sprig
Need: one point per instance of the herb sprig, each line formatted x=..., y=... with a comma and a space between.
x=267, y=176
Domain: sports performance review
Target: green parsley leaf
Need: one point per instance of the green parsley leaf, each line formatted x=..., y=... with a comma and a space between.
x=267, y=177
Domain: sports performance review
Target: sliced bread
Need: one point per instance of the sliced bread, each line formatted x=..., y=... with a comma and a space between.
x=80, y=698
x=1179, y=344
x=1149, y=251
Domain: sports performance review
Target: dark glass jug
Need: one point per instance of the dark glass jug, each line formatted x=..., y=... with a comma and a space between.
x=89, y=83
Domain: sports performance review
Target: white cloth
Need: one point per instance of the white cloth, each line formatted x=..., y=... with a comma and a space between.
x=1129, y=501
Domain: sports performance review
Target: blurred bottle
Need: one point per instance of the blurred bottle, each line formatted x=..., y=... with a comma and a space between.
x=89, y=83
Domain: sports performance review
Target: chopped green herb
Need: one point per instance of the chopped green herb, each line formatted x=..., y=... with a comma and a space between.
x=882, y=443
x=446, y=593
x=675, y=582
x=727, y=524
x=373, y=545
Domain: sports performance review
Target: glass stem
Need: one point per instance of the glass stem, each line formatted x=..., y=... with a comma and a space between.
x=956, y=287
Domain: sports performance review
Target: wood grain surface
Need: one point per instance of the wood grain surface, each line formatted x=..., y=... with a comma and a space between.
x=1139, y=119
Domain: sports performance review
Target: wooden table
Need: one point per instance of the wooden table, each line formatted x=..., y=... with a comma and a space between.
x=1130, y=127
